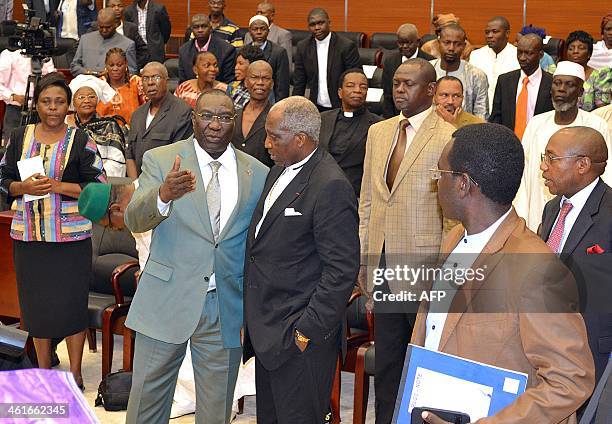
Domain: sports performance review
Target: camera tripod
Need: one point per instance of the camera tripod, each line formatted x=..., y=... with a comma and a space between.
x=28, y=110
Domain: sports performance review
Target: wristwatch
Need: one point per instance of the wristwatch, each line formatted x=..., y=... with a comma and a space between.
x=300, y=337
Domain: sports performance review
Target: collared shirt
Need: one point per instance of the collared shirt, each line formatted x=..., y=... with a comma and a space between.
x=404, y=58
x=493, y=65
x=14, y=71
x=281, y=183
x=475, y=86
x=578, y=200
x=463, y=256
x=204, y=48
x=533, y=86
x=601, y=57
x=142, y=20
x=120, y=29
x=322, y=53
x=411, y=131
x=533, y=194
x=70, y=26
x=228, y=182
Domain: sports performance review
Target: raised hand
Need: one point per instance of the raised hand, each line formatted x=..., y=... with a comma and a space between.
x=177, y=183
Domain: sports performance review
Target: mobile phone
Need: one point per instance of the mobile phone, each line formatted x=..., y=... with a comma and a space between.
x=453, y=417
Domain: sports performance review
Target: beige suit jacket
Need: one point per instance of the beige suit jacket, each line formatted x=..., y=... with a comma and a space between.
x=552, y=348
x=406, y=219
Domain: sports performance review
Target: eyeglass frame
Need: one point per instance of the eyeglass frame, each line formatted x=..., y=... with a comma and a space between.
x=550, y=158
x=200, y=115
x=152, y=78
x=82, y=97
x=435, y=171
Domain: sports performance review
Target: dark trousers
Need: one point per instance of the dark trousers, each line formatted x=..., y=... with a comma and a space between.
x=392, y=334
x=299, y=391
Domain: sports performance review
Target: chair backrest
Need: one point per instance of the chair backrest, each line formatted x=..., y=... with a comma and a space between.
x=356, y=314
x=368, y=56
x=555, y=48
x=384, y=40
x=298, y=35
x=173, y=74
x=356, y=37
x=110, y=249
x=64, y=60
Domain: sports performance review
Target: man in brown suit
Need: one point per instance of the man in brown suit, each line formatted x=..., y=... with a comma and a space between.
x=520, y=313
x=399, y=213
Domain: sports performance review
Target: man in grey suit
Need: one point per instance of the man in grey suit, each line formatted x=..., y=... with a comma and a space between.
x=276, y=34
x=191, y=286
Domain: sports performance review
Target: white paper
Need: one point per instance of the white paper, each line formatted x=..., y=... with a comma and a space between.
x=511, y=385
x=29, y=167
x=436, y=390
x=374, y=95
x=369, y=70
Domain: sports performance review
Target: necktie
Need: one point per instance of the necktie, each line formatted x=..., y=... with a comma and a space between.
x=554, y=240
x=398, y=153
x=213, y=199
x=520, y=121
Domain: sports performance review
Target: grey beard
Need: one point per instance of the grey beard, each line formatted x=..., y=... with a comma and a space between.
x=564, y=106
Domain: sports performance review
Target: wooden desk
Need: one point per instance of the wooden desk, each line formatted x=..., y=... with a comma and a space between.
x=9, y=303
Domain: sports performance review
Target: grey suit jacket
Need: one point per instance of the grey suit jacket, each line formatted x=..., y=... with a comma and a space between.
x=171, y=291
x=280, y=36
x=92, y=49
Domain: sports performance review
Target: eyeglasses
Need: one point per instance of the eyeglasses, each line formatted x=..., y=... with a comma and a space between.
x=547, y=158
x=209, y=117
x=436, y=174
x=82, y=97
x=154, y=78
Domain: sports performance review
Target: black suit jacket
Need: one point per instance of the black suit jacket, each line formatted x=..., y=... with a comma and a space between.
x=300, y=270
x=504, y=101
x=171, y=123
x=253, y=143
x=351, y=161
x=342, y=55
x=392, y=59
x=277, y=57
x=130, y=30
x=224, y=52
x=158, y=28
x=593, y=272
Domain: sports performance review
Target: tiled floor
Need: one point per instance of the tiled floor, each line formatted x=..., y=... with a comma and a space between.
x=91, y=377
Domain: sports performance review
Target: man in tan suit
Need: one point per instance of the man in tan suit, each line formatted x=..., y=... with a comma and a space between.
x=399, y=213
x=520, y=313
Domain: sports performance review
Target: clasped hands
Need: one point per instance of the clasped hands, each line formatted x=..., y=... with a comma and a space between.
x=40, y=185
x=177, y=183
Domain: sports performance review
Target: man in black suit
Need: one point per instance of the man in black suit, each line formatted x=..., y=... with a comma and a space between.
x=302, y=257
x=155, y=31
x=320, y=60
x=529, y=52
x=407, y=47
x=204, y=40
x=162, y=120
x=274, y=54
x=344, y=130
x=581, y=234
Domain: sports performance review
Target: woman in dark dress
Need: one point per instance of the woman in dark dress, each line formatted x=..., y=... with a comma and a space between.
x=51, y=241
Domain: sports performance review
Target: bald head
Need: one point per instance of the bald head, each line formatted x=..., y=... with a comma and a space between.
x=531, y=40
x=106, y=14
x=407, y=30
x=407, y=40
x=586, y=141
x=157, y=68
x=107, y=22
x=260, y=66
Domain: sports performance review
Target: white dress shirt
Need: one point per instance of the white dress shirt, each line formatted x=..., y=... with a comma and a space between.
x=228, y=182
x=281, y=183
x=322, y=52
x=404, y=58
x=411, y=131
x=578, y=201
x=494, y=64
x=463, y=257
x=601, y=57
x=120, y=28
x=533, y=86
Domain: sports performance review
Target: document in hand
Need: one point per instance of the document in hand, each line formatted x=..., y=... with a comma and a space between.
x=27, y=168
x=439, y=380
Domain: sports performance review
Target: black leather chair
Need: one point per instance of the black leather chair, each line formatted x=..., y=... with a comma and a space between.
x=114, y=262
x=384, y=40
x=369, y=56
x=555, y=47
x=298, y=35
x=357, y=37
x=173, y=74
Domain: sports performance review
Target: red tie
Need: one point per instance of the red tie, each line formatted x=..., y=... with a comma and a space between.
x=520, y=121
x=554, y=240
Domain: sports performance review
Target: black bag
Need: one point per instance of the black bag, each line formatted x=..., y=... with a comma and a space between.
x=114, y=391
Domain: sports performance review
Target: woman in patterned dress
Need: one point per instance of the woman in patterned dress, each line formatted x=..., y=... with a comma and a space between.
x=206, y=69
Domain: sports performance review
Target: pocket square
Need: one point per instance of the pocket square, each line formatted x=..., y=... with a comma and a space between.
x=595, y=249
x=292, y=212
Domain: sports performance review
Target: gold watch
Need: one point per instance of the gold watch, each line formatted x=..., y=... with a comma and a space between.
x=300, y=337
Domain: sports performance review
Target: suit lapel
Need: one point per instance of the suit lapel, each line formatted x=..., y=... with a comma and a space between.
x=584, y=221
x=388, y=136
x=487, y=261
x=331, y=54
x=512, y=94
x=160, y=114
x=327, y=128
x=259, y=123
x=189, y=161
x=150, y=12
x=420, y=140
x=245, y=180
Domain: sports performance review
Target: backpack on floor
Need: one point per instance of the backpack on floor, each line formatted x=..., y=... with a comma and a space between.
x=114, y=391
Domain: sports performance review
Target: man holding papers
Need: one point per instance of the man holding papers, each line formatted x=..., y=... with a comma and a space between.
x=519, y=314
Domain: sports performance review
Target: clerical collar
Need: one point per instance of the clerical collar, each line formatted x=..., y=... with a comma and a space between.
x=354, y=113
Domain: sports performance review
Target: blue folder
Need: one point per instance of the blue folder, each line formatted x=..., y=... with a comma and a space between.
x=455, y=366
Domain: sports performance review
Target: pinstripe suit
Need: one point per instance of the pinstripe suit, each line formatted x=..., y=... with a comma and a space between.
x=403, y=221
